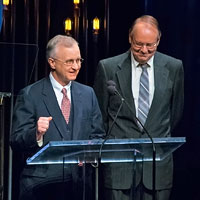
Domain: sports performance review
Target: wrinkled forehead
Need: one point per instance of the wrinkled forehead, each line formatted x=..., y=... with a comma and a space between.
x=144, y=29
x=66, y=45
x=64, y=50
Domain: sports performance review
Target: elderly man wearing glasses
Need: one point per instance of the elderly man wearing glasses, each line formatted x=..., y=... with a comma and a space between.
x=152, y=85
x=56, y=108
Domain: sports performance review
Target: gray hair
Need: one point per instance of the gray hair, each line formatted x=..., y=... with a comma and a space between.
x=63, y=40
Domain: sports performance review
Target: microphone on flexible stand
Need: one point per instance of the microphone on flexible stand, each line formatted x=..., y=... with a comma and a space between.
x=97, y=165
x=112, y=90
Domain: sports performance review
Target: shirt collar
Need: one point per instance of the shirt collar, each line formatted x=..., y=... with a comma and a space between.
x=136, y=64
x=56, y=85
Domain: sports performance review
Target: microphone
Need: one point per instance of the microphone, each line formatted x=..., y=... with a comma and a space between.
x=113, y=91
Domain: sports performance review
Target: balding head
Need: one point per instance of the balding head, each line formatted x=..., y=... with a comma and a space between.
x=145, y=20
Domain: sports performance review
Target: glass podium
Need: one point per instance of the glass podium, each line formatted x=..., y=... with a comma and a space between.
x=112, y=151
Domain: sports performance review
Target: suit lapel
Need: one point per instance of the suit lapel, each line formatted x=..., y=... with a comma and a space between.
x=77, y=99
x=124, y=77
x=160, y=80
x=53, y=108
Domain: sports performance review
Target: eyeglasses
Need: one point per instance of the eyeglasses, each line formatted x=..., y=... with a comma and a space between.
x=70, y=62
x=149, y=46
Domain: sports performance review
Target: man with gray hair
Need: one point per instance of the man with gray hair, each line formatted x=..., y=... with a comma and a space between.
x=55, y=108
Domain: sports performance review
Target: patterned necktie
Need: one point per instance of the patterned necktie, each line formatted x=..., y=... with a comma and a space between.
x=143, y=101
x=65, y=105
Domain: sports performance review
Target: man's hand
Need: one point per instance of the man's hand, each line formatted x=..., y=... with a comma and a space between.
x=42, y=126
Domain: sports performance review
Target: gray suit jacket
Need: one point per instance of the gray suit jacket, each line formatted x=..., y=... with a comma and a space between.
x=164, y=114
x=39, y=100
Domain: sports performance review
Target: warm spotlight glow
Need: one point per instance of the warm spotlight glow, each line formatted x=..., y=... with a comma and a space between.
x=68, y=24
x=76, y=4
x=5, y=2
x=96, y=25
x=76, y=1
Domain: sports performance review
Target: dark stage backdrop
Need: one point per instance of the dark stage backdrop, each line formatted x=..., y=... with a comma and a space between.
x=179, y=23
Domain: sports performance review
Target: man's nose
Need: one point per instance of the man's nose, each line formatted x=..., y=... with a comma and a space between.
x=75, y=65
x=144, y=49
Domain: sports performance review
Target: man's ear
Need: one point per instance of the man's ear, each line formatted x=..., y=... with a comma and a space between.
x=51, y=63
x=158, y=42
x=129, y=39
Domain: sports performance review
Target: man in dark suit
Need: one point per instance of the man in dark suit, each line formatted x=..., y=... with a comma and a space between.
x=163, y=107
x=39, y=118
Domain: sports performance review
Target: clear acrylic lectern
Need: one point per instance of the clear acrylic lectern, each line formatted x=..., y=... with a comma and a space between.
x=112, y=151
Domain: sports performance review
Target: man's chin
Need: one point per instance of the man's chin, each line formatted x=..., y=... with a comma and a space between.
x=143, y=61
x=72, y=78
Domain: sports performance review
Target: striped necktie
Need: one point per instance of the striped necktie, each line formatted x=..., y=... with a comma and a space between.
x=65, y=105
x=143, y=100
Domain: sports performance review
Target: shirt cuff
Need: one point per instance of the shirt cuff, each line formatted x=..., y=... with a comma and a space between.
x=40, y=141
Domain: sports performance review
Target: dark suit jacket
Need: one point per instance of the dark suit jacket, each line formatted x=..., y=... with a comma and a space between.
x=39, y=100
x=164, y=114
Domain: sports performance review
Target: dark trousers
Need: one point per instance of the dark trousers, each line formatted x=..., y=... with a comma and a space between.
x=53, y=191
x=141, y=193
